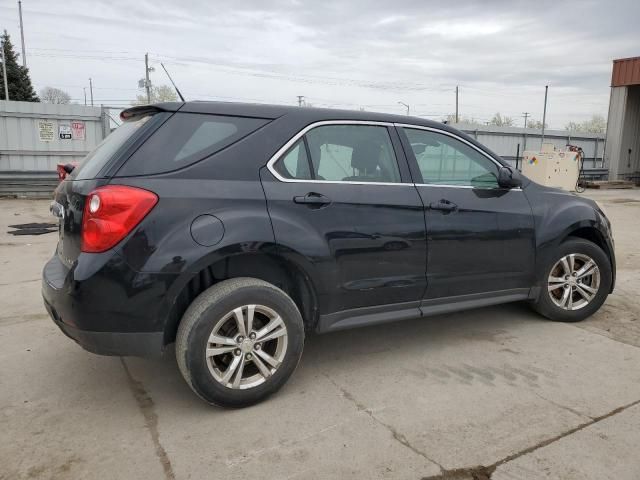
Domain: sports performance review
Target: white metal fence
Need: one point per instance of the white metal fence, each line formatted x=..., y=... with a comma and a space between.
x=511, y=142
x=35, y=137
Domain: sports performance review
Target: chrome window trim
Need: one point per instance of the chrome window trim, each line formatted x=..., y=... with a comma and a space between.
x=457, y=137
x=452, y=135
x=282, y=150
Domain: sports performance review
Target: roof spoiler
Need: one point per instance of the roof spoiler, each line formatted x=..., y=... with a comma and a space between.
x=142, y=110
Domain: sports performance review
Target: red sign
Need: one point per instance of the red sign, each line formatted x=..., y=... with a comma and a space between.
x=77, y=130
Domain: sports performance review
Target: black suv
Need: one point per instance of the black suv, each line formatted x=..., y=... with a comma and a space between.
x=234, y=229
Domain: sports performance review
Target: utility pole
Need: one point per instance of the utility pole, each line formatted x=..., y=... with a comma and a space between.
x=544, y=112
x=84, y=89
x=91, y=91
x=4, y=72
x=24, y=55
x=147, y=84
x=402, y=103
x=300, y=100
x=525, y=115
x=457, y=89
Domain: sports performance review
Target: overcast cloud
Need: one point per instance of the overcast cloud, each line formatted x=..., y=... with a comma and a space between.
x=343, y=54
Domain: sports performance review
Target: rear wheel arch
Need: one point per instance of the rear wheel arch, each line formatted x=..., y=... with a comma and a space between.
x=274, y=269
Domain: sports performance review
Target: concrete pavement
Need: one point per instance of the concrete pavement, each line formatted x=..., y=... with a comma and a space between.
x=496, y=392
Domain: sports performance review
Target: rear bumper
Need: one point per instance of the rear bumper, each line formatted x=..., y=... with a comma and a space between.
x=103, y=312
x=146, y=344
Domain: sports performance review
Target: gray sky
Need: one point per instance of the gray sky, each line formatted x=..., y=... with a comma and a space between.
x=343, y=54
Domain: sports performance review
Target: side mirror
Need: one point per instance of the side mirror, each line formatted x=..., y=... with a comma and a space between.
x=507, y=179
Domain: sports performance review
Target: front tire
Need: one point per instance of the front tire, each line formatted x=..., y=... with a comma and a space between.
x=239, y=342
x=575, y=284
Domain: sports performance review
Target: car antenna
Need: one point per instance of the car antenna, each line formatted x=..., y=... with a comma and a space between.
x=172, y=82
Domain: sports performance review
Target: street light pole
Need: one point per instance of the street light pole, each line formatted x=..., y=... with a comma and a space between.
x=544, y=112
x=402, y=103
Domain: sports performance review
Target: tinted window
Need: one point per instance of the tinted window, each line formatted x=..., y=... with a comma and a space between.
x=447, y=161
x=186, y=138
x=98, y=158
x=295, y=163
x=356, y=153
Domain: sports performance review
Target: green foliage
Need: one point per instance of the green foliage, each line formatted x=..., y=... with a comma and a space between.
x=20, y=88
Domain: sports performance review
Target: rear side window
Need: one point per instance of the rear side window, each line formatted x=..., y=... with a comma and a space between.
x=186, y=138
x=98, y=158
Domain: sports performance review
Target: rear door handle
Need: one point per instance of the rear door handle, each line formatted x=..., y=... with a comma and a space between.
x=312, y=198
x=445, y=205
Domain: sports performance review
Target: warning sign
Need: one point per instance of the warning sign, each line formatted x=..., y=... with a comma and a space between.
x=64, y=131
x=45, y=131
x=77, y=130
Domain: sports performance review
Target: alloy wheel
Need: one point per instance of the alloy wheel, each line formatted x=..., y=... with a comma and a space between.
x=574, y=281
x=246, y=346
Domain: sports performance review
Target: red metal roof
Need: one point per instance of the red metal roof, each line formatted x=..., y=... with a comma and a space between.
x=626, y=71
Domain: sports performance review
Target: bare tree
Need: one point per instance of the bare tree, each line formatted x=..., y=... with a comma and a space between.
x=500, y=121
x=162, y=93
x=54, y=95
x=451, y=118
x=596, y=124
x=536, y=124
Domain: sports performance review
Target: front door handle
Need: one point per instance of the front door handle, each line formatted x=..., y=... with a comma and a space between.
x=312, y=198
x=444, y=205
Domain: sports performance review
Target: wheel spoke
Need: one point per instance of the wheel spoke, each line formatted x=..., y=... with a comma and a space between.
x=264, y=370
x=231, y=369
x=555, y=287
x=583, y=293
x=572, y=263
x=565, y=297
x=582, y=273
x=237, y=313
x=267, y=358
x=588, y=288
x=570, y=299
x=565, y=266
x=274, y=334
x=240, y=370
x=212, y=352
x=218, y=340
x=250, y=312
x=270, y=327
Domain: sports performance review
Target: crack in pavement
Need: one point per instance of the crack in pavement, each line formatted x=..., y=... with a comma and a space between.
x=485, y=473
x=564, y=407
x=397, y=436
x=146, y=406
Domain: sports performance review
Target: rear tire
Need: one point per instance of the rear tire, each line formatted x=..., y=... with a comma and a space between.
x=239, y=342
x=575, y=284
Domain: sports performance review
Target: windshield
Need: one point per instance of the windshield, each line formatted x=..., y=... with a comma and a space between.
x=98, y=158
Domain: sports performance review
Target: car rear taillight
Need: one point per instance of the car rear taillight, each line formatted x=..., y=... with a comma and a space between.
x=110, y=213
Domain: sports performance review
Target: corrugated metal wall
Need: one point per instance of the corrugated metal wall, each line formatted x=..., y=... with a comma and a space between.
x=22, y=149
x=504, y=141
x=623, y=134
x=630, y=145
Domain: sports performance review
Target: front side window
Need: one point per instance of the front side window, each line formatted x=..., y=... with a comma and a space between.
x=343, y=153
x=444, y=160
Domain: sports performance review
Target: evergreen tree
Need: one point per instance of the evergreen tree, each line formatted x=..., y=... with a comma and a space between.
x=20, y=88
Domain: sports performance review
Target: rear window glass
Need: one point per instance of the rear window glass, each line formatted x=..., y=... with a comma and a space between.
x=98, y=158
x=186, y=138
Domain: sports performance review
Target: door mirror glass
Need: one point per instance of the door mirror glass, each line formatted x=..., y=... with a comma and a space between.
x=507, y=179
